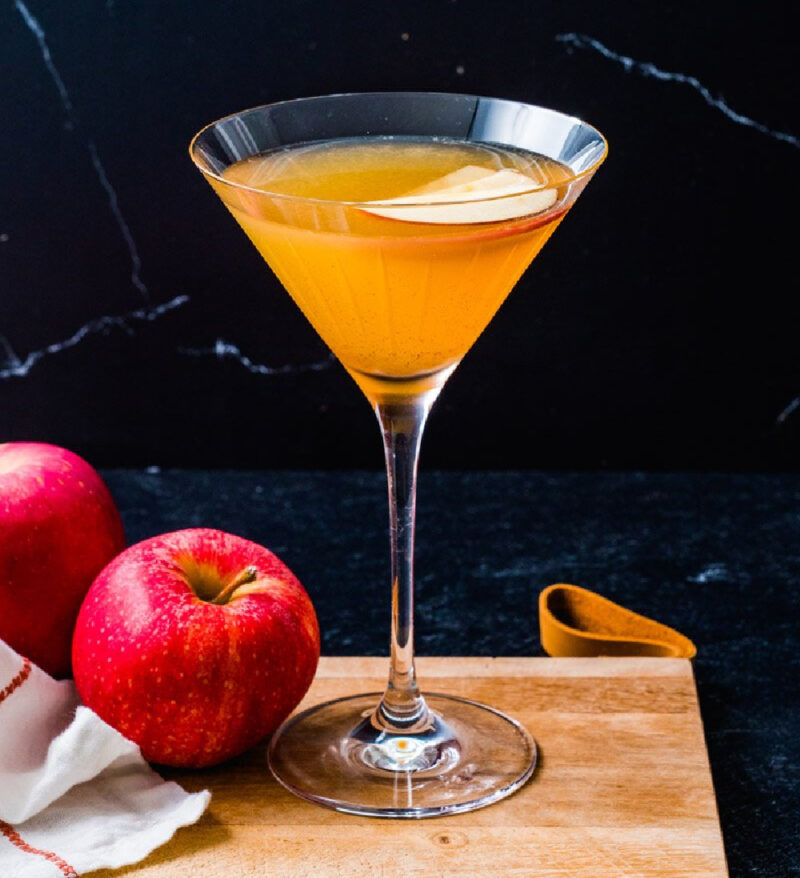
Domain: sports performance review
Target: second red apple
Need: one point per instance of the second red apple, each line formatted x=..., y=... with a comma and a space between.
x=59, y=526
x=195, y=645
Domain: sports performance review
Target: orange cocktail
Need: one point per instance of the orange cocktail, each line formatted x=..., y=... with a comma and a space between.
x=399, y=293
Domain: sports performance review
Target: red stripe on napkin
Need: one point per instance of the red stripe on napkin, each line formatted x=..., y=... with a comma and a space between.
x=6, y=829
x=14, y=837
x=22, y=676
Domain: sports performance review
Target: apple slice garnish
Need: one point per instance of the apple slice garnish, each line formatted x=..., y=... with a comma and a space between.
x=469, y=195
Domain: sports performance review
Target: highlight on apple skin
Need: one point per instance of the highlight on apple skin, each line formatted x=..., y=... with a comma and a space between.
x=195, y=645
x=59, y=526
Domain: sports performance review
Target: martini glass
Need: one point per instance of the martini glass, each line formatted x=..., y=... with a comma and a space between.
x=399, y=288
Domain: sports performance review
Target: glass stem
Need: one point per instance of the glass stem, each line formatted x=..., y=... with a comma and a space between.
x=402, y=708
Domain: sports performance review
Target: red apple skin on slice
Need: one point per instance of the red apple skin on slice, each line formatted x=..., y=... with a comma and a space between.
x=59, y=526
x=191, y=681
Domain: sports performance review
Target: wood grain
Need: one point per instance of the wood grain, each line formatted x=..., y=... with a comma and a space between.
x=622, y=789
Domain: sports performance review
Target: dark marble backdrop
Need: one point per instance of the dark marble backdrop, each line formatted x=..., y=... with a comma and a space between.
x=657, y=330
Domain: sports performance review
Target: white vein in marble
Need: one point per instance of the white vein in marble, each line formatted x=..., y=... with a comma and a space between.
x=72, y=123
x=113, y=203
x=15, y=366
x=790, y=409
x=225, y=350
x=711, y=573
x=36, y=29
x=647, y=69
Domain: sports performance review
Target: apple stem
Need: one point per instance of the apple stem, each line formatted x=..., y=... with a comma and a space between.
x=247, y=575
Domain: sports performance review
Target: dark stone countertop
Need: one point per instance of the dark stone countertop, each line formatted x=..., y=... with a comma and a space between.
x=717, y=556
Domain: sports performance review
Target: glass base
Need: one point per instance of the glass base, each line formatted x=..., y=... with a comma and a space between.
x=468, y=756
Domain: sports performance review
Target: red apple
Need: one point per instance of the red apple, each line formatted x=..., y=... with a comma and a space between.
x=59, y=527
x=195, y=645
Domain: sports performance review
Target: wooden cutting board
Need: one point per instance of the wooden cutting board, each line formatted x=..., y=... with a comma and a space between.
x=622, y=788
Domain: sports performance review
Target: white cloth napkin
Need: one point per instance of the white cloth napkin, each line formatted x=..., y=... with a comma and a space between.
x=75, y=795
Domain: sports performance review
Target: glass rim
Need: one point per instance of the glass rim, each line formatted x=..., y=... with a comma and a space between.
x=395, y=205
